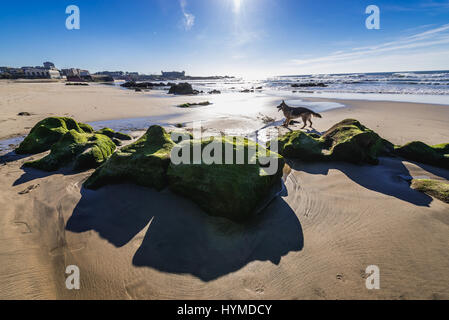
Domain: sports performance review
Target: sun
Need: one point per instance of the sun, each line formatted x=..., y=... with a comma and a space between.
x=237, y=5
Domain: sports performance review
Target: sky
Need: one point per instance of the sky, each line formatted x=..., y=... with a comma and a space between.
x=248, y=38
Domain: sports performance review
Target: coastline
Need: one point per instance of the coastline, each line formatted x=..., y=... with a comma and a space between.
x=132, y=242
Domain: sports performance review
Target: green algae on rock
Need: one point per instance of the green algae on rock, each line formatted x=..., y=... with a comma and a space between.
x=435, y=188
x=353, y=142
x=46, y=133
x=114, y=134
x=86, y=127
x=84, y=150
x=348, y=141
x=232, y=182
x=143, y=162
x=418, y=151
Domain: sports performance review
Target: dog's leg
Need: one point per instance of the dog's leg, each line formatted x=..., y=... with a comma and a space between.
x=304, y=119
x=287, y=122
x=310, y=120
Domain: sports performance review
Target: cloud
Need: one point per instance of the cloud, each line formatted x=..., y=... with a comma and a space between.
x=189, y=19
x=423, y=40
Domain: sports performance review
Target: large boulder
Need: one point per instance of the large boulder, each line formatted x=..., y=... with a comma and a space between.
x=347, y=141
x=182, y=88
x=420, y=152
x=143, y=162
x=234, y=191
x=46, y=133
x=84, y=150
x=351, y=141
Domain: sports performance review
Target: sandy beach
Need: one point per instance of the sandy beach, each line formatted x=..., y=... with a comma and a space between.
x=131, y=242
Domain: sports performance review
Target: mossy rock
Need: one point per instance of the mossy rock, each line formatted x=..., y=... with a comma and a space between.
x=143, y=162
x=300, y=145
x=83, y=150
x=46, y=133
x=233, y=191
x=114, y=134
x=347, y=141
x=418, y=151
x=434, y=188
x=86, y=128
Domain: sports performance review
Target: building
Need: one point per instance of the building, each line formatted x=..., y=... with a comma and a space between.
x=48, y=71
x=49, y=65
x=41, y=73
x=173, y=74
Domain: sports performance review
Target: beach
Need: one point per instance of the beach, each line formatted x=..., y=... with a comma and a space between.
x=132, y=242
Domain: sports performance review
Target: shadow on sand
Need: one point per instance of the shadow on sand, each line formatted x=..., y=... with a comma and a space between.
x=30, y=174
x=384, y=178
x=180, y=237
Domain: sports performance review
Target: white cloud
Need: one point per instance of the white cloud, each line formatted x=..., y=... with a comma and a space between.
x=424, y=41
x=189, y=19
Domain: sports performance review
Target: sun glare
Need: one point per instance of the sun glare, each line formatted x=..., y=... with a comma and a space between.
x=237, y=5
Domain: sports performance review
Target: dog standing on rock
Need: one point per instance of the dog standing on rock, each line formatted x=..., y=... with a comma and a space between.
x=295, y=113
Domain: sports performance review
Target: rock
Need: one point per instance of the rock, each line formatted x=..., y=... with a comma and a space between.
x=142, y=85
x=24, y=114
x=182, y=88
x=46, y=133
x=310, y=84
x=215, y=92
x=86, y=128
x=114, y=134
x=143, y=162
x=188, y=105
x=84, y=150
x=138, y=90
x=435, y=188
x=420, y=152
x=348, y=141
x=233, y=191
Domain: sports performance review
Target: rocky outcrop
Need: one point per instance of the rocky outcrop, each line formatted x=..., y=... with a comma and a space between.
x=310, y=84
x=83, y=150
x=347, y=141
x=46, y=133
x=437, y=155
x=143, y=162
x=233, y=191
x=182, y=89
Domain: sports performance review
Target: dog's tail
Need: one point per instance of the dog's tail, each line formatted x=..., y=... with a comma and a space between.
x=317, y=115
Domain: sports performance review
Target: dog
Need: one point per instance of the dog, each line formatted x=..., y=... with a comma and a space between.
x=295, y=113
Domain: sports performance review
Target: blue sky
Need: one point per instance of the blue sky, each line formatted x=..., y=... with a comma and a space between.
x=252, y=38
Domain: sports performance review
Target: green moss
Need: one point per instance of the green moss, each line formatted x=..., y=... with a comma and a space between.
x=348, y=141
x=86, y=128
x=434, y=188
x=84, y=150
x=300, y=145
x=420, y=152
x=234, y=190
x=144, y=162
x=46, y=133
x=114, y=134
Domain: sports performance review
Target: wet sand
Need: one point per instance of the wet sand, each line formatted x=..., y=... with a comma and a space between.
x=135, y=243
